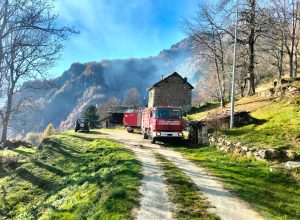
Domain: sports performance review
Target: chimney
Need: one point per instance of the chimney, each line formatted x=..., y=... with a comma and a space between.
x=185, y=79
x=162, y=77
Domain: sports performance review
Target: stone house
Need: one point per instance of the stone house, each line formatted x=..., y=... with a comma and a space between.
x=173, y=90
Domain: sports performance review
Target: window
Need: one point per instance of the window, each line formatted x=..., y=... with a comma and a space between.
x=168, y=113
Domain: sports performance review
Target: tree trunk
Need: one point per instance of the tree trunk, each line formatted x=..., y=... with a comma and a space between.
x=296, y=58
x=250, y=85
x=251, y=77
x=291, y=54
x=251, y=43
x=221, y=88
x=4, y=130
x=291, y=62
x=222, y=102
x=242, y=90
x=280, y=61
x=296, y=63
x=6, y=117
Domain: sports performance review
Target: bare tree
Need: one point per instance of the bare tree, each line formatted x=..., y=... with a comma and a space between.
x=132, y=98
x=207, y=88
x=283, y=38
x=251, y=27
x=288, y=11
x=7, y=10
x=268, y=31
x=292, y=37
x=210, y=42
x=32, y=45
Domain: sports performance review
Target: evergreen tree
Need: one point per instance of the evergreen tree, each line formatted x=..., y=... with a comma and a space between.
x=91, y=115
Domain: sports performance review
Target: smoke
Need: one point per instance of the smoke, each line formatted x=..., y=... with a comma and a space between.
x=119, y=29
x=97, y=82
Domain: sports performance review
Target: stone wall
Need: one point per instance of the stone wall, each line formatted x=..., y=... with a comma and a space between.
x=172, y=91
x=283, y=91
x=198, y=133
x=221, y=143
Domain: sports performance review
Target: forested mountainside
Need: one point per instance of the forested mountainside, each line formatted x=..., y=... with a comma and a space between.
x=59, y=101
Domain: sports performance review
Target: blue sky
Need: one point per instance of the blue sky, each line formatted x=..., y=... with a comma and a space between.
x=111, y=29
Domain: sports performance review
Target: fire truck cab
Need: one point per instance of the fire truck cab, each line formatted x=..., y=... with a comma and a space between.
x=161, y=123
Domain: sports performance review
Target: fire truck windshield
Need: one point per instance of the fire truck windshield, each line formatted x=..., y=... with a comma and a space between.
x=168, y=113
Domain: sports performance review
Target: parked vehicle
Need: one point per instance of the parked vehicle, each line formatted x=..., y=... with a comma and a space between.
x=82, y=125
x=161, y=123
x=132, y=120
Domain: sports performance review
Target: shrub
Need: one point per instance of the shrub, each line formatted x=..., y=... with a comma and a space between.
x=50, y=130
x=13, y=144
x=34, y=138
x=9, y=162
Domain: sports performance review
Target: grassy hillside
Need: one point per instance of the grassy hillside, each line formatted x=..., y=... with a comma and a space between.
x=278, y=125
x=71, y=177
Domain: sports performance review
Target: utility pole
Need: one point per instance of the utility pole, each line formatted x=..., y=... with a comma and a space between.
x=233, y=70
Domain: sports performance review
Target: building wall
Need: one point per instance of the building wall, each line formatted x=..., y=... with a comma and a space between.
x=151, y=98
x=171, y=92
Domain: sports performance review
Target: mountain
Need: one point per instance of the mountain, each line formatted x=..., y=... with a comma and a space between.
x=59, y=101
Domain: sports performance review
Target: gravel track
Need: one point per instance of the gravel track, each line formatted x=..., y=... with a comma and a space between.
x=154, y=204
x=154, y=201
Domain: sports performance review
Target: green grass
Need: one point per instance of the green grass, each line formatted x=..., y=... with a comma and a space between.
x=277, y=125
x=281, y=127
x=275, y=195
x=72, y=176
x=189, y=204
x=23, y=152
x=12, y=158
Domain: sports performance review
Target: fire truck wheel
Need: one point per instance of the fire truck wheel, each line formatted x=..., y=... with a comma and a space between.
x=145, y=136
x=153, y=140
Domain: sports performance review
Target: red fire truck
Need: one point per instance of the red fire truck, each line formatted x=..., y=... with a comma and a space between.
x=162, y=122
x=132, y=120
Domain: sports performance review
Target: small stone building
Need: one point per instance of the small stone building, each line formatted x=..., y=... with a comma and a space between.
x=173, y=90
x=114, y=117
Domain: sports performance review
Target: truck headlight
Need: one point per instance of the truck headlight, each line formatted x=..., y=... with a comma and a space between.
x=180, y=134
x=158, y=133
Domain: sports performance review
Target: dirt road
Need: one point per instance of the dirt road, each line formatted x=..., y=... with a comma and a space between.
x=154, y=201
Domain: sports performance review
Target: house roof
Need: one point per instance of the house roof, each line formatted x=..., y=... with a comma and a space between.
x=173, y=74
x=119, y=109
